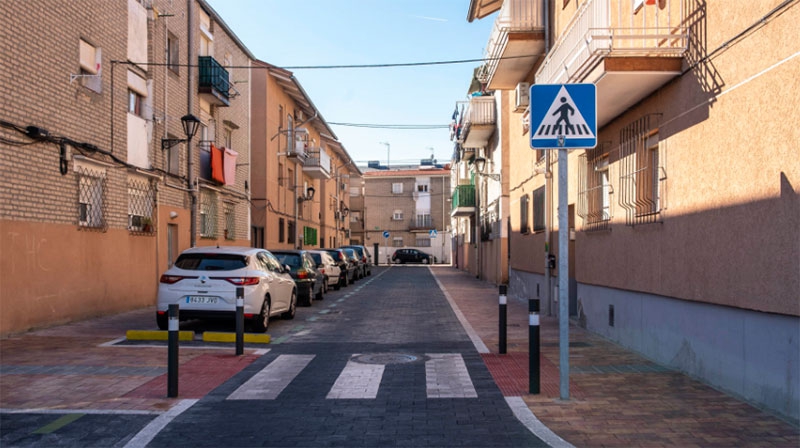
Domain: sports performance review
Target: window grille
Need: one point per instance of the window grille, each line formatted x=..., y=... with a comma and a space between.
x=208, y=214
x=524, y=212
x=91, y=199
x=538, y=209
x=594, y=189
x=230, y=222
x=641, y=174
x=141, y=203
x=397, y=241
x=423, y=242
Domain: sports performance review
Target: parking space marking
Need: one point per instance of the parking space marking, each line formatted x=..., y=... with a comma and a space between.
x=268, y=383
x=357, y=380
x=446, y=376
x=58, y=423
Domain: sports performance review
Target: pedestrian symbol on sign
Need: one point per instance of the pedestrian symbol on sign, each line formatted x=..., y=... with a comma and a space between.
x=563, y=116
x=569, y=121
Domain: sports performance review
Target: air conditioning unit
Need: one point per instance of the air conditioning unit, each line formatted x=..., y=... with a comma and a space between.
x=298, y=115
x=522, y=97
x=297, y=147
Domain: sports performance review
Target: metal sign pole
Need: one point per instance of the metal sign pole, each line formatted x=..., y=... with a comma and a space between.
x=563, y=274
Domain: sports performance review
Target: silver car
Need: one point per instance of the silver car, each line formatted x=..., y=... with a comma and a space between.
x=204, y=283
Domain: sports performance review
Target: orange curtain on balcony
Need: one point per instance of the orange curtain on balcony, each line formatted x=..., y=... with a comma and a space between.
x=217, y=172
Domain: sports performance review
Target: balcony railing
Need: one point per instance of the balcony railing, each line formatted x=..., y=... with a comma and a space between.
x=515, y=16
x=214, y=81
x=594, y=34
x=478, y=122
x=464, y=197
x=317, y=161
x=421, y=222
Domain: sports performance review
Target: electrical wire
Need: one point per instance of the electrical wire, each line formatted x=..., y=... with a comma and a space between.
x=392, y=126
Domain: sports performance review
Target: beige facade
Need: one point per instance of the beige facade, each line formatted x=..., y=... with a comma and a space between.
x=94, y=206
x=408, y=204
x=684, y=221
x=295, y=152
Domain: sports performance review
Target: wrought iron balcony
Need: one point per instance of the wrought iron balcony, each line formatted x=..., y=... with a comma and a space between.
x=317, y=163
x=516, y=45
x=214, y=84
x=479, y=121
x=421, y=223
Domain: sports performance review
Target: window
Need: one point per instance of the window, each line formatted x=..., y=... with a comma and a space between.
x=173, y=157
x=397, y=241
x=397, y=188
x=90, y=68
x=355, y=191
x=594, y=190
x=397, y=215
x=228, y=137
x=524, y=211
x=538, y=209
x=309, y=236
x=423, y=242
x=292, y=233
x=91, y=192
x=281, y=178
x=230, y=222
x=208, y=214
x=355, y=216
x=422, y=188
x=135, y=103
x=641, y=171
x=141, y=203
x=281, y=230
x=258, y=236
x=424, y=220
x=173, y=53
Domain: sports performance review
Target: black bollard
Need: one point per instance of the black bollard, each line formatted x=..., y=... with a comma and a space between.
x=172, y=351
x=533, y=348
x=240, y=320
x=503, y=318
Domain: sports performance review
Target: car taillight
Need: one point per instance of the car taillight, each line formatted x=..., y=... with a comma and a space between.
x=243, y=281
x=302, y=273
x=364, y=259
x=171, y=279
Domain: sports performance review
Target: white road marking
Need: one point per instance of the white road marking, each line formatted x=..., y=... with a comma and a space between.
x=534, y=425
x=149, y=432
x=272, y=379
x=446, y=376
x=357, y=380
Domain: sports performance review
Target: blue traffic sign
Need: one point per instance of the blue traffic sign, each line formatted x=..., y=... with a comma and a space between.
x=386, y=234
x=433, y=233
x=563, y=116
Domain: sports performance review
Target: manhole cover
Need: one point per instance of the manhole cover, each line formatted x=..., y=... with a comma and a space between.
x=385, y=358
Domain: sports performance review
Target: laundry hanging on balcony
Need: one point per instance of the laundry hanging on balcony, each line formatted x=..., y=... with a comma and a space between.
x=229, y=166
x=223, y=165
x=217, y=171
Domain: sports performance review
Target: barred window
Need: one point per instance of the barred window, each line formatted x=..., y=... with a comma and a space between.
x=594, y=190
x=141, y=203
x=208, y=214
x=397, y=241
x=423, y=242
x=230, y=221
x=641, y=172
x=91, y=198
x=538, y=209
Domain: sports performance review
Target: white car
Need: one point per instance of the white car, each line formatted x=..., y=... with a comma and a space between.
x=203, y=282
x=328, y=267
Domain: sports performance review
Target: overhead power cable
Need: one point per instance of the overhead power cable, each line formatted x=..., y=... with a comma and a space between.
x=391, y=126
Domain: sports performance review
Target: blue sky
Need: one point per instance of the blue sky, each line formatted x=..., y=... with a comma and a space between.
x=324, y=32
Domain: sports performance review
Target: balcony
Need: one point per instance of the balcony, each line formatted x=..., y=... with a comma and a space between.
x=479, y=121
x=214, y=85
x=627, y=51
x=463, y=201
x=317, y=163
x=422, y=223
x=516, y=45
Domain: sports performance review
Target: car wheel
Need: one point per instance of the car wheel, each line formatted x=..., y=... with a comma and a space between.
x=342, y=281
x=288, y=315
x=426, y=261
x=161, y=320
x=321, y=294
x=261, y=322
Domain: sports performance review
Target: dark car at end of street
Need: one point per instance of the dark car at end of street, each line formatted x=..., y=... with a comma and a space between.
x=402, y=256
x=310, y=282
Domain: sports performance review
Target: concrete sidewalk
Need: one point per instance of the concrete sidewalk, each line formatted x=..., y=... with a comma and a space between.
x=617, y=398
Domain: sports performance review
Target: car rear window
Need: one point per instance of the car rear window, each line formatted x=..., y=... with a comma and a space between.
x=211, y=262
x=293, y=260
x=317, y=258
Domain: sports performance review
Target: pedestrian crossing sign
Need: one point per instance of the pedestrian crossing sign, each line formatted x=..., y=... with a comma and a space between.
x=563, y=116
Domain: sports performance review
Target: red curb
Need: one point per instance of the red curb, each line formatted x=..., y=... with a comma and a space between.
x=510, y=372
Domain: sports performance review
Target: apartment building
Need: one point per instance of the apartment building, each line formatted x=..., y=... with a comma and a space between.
x=300, y=171
x=408, y=208
x=684, y=220
x=102, y=186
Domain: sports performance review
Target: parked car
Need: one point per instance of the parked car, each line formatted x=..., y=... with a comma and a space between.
x=355, y=261
x=366, y=258
x=411, y=256
x=204, y=282
x=346, y=268
x=310, y=282
x=328, y=267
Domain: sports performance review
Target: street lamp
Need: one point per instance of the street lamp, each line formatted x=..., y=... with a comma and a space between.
x=308, y=196
x=480, y=165
x=190, y=124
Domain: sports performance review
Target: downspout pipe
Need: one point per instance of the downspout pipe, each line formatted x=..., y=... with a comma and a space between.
x=191, y=89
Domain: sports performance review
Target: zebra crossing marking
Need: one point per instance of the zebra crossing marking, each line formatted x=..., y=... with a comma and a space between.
x=447, y=377
x=357, y=380
x=270, y=381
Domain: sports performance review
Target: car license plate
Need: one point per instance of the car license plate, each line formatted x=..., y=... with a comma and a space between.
x=201, y=299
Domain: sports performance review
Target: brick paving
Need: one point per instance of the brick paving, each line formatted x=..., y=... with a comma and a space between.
x=617, y=398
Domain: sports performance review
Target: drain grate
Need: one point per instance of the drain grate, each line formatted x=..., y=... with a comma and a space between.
x=385, y=358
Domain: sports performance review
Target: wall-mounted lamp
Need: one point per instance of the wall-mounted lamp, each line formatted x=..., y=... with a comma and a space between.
x=173, y=215
x=480, y=164
x=190, y=124
x=308, y=196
